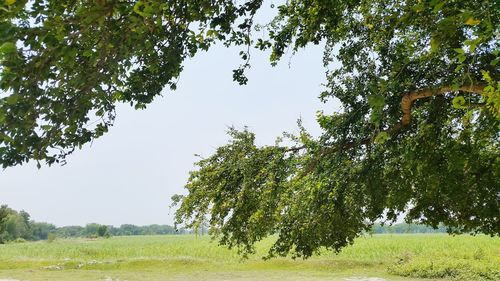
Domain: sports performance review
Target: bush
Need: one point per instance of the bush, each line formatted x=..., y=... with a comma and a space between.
x=462, y=270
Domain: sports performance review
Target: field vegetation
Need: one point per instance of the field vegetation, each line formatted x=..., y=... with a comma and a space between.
x=190, y=257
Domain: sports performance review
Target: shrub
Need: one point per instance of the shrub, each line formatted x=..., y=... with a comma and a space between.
x=444, y=268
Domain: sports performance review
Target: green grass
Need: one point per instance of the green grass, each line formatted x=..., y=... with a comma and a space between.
x=392, y=257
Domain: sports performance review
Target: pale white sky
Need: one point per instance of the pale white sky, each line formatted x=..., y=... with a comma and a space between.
x=129, y=174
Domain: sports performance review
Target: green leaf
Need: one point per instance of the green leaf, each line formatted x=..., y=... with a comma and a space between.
x=142, y=9
x=495, y=61
x=2, y=116
x=439, y=6
x=117, y=96
x=12, y=99
x=435, y=42
x=486, y=75
x=100, y=112
x=58, y=108
x=376, y=101
x=458, y=102
x=461, y=58
x=9, y=2
x=382, y=137
x=87, y=53
x=472, y=44
x=472, y=21
x=8, y=48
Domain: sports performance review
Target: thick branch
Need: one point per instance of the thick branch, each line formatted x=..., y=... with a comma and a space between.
x=409, y=98
x=406, y=105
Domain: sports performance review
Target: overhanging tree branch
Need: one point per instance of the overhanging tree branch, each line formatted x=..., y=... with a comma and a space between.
x=406, y=106
x=409, y=98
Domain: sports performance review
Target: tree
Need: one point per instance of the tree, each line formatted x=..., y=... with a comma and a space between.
x=102, y=231
x=129, y=229
x=92, y=229
x=13, y=224
x=65, y=64
x=418, y=132
x=4, y=212
x=41, y=230
x=70, y=231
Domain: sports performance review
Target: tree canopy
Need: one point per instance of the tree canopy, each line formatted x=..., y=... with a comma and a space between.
x=418, y=133
x=18, y=226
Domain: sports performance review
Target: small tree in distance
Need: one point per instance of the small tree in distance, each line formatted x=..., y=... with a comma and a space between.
x=102, y=231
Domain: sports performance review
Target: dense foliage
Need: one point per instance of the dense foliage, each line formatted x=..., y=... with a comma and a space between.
x=418, y=133
x=65, y=64
x=18, y=225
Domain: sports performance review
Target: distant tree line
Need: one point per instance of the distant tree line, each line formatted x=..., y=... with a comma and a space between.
x=98, y=230
x=17, y=225
x=406, y=228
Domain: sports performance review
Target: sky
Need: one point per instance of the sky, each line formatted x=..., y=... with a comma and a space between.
x=129, y=174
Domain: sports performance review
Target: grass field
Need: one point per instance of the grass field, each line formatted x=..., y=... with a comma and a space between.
x=381, y=257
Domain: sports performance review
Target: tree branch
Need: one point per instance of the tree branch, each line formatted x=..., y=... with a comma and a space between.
x=409, y=98
x=406, y=106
